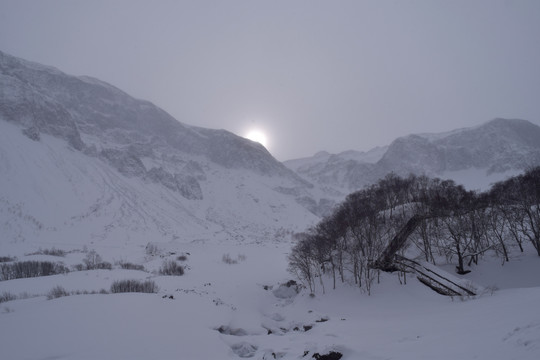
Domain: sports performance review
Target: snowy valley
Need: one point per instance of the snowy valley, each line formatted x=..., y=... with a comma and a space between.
x=97, y=188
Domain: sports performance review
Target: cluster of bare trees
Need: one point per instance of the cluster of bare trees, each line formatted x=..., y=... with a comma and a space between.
x=28, y=269
x=441, y=220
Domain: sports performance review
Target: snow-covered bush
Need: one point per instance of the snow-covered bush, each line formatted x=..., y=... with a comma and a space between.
x=227, y=259
x=7, y=296
x=123, y=286
x=151, y=249
x=4, y=259
x=104, y=266
x=170, y=267
x=51, y=252
x=56, y=292
x=130, y=266
x=27, y=269
x=182, y=257
x=93, y=261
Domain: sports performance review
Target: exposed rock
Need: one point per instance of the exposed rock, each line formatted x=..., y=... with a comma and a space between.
x=287, y=290
x=32, y=133
x=125, y=162
x=244, y=349
x=332, y=355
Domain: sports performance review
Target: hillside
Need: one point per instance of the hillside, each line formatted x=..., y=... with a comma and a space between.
x=83, y=162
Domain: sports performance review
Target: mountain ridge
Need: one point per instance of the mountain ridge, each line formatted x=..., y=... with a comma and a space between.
x=494, y=148
x=111, y=165
x=116, y=166
x=86, y=106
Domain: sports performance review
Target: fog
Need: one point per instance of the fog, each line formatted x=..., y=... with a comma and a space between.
x=310, y=75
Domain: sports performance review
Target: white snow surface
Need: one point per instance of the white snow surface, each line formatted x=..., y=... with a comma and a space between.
x=395, y=322
x=53, y=196
x=233, y=243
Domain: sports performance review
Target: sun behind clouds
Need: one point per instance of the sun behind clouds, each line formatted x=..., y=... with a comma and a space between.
x=257, y=136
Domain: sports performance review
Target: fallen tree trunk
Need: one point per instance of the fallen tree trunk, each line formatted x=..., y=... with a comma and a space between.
x=389, y=261
x=385, y=262
x=434, y=280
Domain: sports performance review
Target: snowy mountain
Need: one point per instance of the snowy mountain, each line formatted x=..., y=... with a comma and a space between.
x=473, y=156
x=88, y=172
x=339, y=174
x=80, y=159
x=110, y=164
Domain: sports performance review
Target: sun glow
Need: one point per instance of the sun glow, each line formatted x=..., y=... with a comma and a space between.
x=257, y=136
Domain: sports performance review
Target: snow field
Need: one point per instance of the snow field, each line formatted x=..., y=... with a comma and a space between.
x=52, y=195
x=229, y=311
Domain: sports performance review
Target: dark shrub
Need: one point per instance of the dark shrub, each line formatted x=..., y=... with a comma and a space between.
x=227, y=259
x=103, y=266
x=7, y=296
x=93, y=261
x=170, y=267
x=52, y=252
x=27, y=269
x=123, y=286
x=57, y=292
x=131, y=266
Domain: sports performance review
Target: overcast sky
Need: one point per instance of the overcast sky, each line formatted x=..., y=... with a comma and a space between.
x=312, y=75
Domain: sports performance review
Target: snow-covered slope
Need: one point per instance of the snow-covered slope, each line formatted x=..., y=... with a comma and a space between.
x=95, y=117
x=474, y=157
x=52, y=194
x=104, y=152
x=81, y=161
x=232, y=311
x=496, y=146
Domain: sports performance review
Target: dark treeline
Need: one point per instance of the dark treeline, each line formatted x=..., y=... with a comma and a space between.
x=442, y=220
x=28, y=269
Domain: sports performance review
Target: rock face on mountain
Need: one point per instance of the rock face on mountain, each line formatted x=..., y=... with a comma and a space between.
x=209, y=178
x=496, y=147
x=86, y=111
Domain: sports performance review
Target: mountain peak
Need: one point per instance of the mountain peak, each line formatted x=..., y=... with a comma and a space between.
x=87, y=111
x=497, y=146
x=508, y=122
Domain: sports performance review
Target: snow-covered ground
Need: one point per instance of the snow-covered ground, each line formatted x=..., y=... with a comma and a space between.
x=55, y=196
x=123, y=194
x=52, y=196
x=227, y=311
